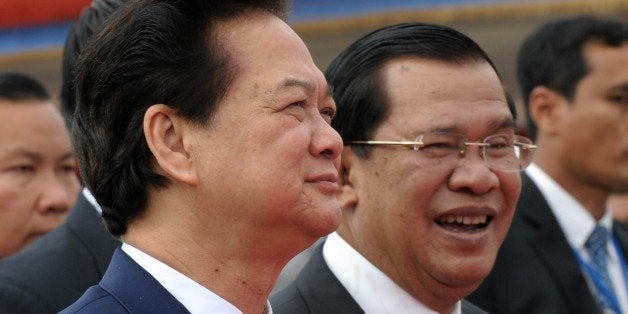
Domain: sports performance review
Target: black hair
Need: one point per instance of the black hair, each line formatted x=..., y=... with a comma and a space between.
x=148, y=52
x=552, y=56
x=89, y=22
x=19, y=87
x=355, y=78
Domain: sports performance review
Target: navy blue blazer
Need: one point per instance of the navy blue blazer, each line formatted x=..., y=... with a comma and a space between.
x=536, y=270
x=316, y=290
x=126, y=288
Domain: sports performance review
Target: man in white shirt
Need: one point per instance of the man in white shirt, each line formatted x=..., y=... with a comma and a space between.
x=429, y=176
x=203, y=131
x=574, y=77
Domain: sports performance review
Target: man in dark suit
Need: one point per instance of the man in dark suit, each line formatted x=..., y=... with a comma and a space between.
x=564, y=253
x=53, y=272
x=429, y=176
x=203, y=130
x=37, y=185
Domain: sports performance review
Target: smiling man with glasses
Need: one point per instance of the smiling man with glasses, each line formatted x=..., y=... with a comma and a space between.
x=429, y=179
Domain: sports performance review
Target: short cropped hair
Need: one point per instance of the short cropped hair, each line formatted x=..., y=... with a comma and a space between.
x=19, y=87
x=552, y=56
x=356, y=80
x=148, y=52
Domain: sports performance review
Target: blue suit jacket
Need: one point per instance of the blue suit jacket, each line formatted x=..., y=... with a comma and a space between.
x=126, y=288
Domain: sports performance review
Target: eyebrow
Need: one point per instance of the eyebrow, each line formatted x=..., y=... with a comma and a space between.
x=294, y=82
x=493, y=126
x=23, y=152
x=307, y=85
x=619, y=88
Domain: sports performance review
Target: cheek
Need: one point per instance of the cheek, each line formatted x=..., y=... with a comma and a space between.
x=16, y=209
x=14, y=200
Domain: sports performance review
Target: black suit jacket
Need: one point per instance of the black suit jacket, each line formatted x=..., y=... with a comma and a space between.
x=53, y=272
x=536, y=270
x=317, y=291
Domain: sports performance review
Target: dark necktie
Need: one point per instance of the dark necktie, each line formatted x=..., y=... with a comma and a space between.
x=596, y=246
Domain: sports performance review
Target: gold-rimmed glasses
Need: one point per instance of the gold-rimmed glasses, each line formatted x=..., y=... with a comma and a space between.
x=500, y=152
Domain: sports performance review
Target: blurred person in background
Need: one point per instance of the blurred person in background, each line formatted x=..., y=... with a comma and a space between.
x=38, y=185
x=54, y=271
x=429, y=176
x=564, y=252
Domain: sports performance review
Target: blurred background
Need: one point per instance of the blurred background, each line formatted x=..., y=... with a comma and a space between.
x=32, y=32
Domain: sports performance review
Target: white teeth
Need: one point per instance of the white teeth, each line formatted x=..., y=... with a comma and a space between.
x=466, y=220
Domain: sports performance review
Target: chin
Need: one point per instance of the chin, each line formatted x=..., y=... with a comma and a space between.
x=323, y=223
x=469, y=274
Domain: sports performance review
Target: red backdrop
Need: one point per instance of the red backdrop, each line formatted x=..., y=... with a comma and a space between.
x=35, y=12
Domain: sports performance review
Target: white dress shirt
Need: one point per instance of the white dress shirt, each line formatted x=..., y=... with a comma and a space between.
x=370, y=287
x=194, y=297
x=91, y=199
x=577, y=224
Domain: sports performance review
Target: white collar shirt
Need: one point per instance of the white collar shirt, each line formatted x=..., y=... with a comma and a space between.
x=194, y=297
x=577, y=224
x=373, y=291
x=91, y=199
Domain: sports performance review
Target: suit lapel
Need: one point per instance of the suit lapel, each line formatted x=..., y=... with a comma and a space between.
x=551, y=246
x=320, y=289
x=470, y=308
x=136, y=289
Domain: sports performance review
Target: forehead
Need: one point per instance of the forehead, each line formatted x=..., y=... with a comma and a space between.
x=33, y=130
x=607, y=64
x=262, y=45
x=30, y=119
x=426, y=94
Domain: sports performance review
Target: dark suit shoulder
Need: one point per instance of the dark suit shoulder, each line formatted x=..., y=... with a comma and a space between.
x=470, y=308
x=56, y=269
x=288, y=300
x=43, y=271
x=127, y=287
x=316, y=291
x=15, y=299
x=95, y=300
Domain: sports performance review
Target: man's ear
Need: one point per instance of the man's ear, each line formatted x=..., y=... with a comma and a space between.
x=347, y=195
x=546, y=107
x=165, y=132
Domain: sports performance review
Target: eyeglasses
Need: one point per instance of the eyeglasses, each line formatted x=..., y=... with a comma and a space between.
x=500, y=152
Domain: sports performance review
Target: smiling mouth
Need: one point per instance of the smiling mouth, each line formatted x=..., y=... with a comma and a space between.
x=464, y=223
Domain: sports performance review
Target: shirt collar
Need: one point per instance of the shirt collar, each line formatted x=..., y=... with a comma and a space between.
x=575, y=220
x=370, y=287
x=91, y=199
x=194, y=297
